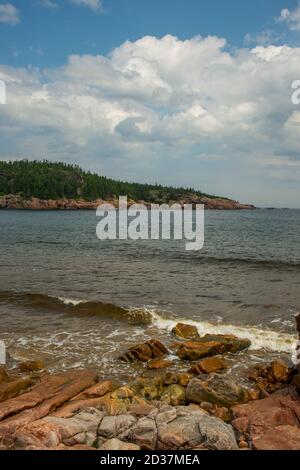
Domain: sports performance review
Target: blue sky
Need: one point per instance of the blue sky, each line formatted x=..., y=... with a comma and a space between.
x=46, y=36
x=194, y=93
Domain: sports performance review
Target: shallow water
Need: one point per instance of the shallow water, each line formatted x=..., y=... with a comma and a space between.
x=78, y=301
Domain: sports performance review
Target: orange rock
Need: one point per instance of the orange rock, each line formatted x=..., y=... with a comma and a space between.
x=182, y=330
x=31, y=366
x=208, y=365
x=159, y=363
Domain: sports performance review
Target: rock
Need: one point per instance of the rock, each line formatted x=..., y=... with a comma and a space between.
x=174, y=395
x=159, y=363
x=97, y=390
x=223, y=413
x=3, y=375
x=123, y=393
x=229, y=343
x=50, y=432
x=193, y=427
x=194, y=350
x=182, y=330
x=31, y=366
x=271, y=378
x=211, y=345
x=272, y=423
x=150, y=388
x=217, y=390
x=208, y=366
x=243, y=444
x=280, y=372
x=209, y=407
x=140, y=410
x=42, y=399
x=145, y=351
x=184, y=378
x=116, y=444
x=216, y=434
x=144, y=433
x=14, y=387
x=113, y=426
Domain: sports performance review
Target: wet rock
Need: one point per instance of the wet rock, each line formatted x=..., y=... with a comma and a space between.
x=271, y=378
x=13, y=388
x=31, y=366
x=3, y=375
x=174, y=395
x=145, y=351
x=182, y=330
x=140, y=410
x=195, y=350
x=208, y=366
x=217, y=390
x=159, y=363
x=116, y=444
x=229, y=343
x=211, y=345
x=272, y=423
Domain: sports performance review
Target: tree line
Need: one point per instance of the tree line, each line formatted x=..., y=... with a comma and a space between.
x=58, y=180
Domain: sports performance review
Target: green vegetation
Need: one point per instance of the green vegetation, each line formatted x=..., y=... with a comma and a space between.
x=47, y=180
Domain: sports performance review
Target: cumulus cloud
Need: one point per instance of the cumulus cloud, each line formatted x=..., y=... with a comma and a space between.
x=9, y=14
x=292, y=18
x=93, y=4
x=185, y=112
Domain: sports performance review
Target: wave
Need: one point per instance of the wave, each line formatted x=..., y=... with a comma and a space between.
x=265, y=339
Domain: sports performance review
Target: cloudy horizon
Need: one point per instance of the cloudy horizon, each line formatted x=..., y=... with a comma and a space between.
x=198, y=109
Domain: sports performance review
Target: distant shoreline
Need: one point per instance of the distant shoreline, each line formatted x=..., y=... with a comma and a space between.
x=12, y=201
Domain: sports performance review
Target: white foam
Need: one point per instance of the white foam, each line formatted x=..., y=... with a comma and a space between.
x=260, y=339
x=73, y=302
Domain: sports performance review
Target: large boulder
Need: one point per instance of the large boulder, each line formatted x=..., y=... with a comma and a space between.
x=50, y=432
x=189, y=427
x=145, y=351
x=217, y=390
x=271, y=423
x=211, y=345
x=182, y=330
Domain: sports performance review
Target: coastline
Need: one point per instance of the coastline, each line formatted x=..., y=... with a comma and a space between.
x=11, y=201
x=200, y=409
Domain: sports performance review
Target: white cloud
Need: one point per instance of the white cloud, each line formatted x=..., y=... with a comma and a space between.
x=93, y=4
x=292, y=18
x=9, y=14
x=163, y=106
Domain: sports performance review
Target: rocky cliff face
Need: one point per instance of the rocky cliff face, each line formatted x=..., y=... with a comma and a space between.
x=11, y=201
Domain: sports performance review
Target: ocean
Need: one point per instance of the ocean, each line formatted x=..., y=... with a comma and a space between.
x=76, y=301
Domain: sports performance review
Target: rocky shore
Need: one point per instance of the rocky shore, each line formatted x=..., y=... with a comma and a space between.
x=202, y=408
x=11, y=201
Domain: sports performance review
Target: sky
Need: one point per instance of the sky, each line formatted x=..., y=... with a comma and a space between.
x=181, y=92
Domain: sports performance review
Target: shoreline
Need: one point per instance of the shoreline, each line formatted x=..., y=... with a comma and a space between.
x=199, y=409
x=11, y=201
